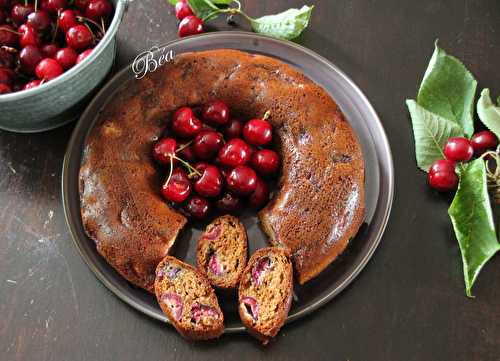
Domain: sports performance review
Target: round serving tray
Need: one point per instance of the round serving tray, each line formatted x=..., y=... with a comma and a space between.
x=379, y=183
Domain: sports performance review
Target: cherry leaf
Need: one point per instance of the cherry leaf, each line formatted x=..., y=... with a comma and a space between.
x=472, y=219
x=431, y=132
x=448, y=89
x=204, y=9
x=286, y=25
x=488, y=112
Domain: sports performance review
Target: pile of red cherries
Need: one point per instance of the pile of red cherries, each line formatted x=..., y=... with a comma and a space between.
x=189, y=24
x=41, y=39
x=216, y=161
x=442, y=175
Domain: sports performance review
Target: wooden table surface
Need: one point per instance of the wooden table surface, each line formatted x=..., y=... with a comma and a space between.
x=408, y=304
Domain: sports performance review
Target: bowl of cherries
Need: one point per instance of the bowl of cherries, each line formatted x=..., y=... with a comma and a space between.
x=53, y=54
x=215, y=163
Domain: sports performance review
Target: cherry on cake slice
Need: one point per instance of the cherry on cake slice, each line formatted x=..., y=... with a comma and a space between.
x=222, y=250
x=188, y=300
x=265, y=292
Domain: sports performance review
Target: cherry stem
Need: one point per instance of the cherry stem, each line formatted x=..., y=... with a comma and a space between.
x=171, y=170
x=10, y=31
x=189, y=167
x=36, y=5
x=493, y=176
x=87, y=20
x=184, y=146
x=266, y=115
x=54, y=33
x=103, y=26
x=9, y=49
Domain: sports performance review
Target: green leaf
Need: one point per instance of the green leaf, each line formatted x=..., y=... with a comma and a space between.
x=431, y=133
x=173, y=2
x=204, y=9
x=448, y=89
x=286, y=25
x=488, y=112
x=472, y=219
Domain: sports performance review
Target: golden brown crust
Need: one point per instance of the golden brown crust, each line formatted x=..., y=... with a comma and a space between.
x=225, y=239
x=321, y=202
x=180, y=281
x=272, y=290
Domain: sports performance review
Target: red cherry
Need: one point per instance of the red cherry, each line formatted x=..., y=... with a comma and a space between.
x=258, y=132
x=260, y=195
x=79, y=37
x=39, y=20
x=83, y=56
x=4, y=89
x=32, y=84
x=458, y=149
x=228, y=203
x=442, y=175
x=232, y=129
x=207, y=144
x=164, y=149
x=53, y=6
x=210, y=183
x=19, y=13
x=198, y=207
x=182, y=9
x=190, y=25
x=266, y=161
x=184, y=123
x=216, y=112
x=187, y=154
x=6, y=59
x=97, y=9
x=48, y=69
x=235, y=152
x=67, y=19
x=242, y=180
x=28, y=36
x=8, y=36
x=66, y=58
x=7, y=76
x=81, y=4
x=29, y=58
x=178, y=187
x=483, y=141
x=50, y=50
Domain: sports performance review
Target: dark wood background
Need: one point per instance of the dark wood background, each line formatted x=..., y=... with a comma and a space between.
x=408, y=304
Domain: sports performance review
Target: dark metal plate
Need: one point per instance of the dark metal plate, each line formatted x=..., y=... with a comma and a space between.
x=357, y=109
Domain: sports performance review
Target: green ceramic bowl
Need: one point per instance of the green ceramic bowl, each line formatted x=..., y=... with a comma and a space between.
x=61, y=100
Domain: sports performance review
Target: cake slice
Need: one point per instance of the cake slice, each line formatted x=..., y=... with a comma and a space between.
x=265, y=292
x=222, y=250
x=188, y=300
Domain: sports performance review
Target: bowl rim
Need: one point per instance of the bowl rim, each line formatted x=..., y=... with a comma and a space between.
x=386, y=167
x=74, y=71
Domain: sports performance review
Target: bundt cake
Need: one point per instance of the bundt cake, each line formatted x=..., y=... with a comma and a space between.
x=188, y=300
x=221, y=254
x=265, y=292
x=320, y=202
